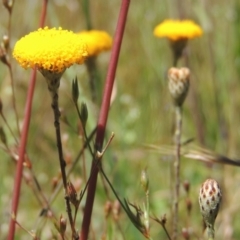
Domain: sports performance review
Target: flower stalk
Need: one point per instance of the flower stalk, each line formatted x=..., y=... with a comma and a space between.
x=102, y=121
x=53, y=81
x=23, y=140
x=178, y=132
x=178, y=85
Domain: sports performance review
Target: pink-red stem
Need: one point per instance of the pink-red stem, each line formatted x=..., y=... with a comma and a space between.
x=102, y=121
x=23, y=140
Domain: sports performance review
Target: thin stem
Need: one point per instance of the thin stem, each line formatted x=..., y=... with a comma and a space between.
x=86, y=12
x=23, y=141
x=146, y=212
x=13, y=98
x=56, y=112
x=166, y=231
x=11, y=76
x=84, y=129
x=102, y=121
x=59, y=187
x=8, y=126
x=177, y=169
x=21, y=153
x=210, y=233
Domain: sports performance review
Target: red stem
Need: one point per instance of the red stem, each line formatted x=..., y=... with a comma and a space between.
x=102, y=121
x=23, y=140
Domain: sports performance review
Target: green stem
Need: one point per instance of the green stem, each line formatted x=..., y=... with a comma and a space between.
x=84, y=130
x=86, y=12
x=8, y=126
x=177, y=169
x=210, y=232
x=146, y=212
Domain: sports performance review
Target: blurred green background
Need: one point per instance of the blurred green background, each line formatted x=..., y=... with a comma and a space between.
x=141, y=113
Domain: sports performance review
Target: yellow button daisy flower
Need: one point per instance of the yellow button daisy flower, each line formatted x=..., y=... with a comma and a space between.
x=51, y=50
x=178, y=29
x=97, y=41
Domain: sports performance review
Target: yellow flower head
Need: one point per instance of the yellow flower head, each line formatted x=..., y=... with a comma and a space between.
x=178, y=29
x=53, y=50
x=97, y=41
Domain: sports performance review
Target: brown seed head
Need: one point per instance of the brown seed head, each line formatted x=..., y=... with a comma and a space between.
x=178, y=84
x=72, y=194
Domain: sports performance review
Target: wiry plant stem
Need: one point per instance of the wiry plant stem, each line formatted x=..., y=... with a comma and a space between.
x=21, y=153
x=178, y=131
x=14, y=97
x=102, y=121
x=60, y=184
x=53, y=89
x=11, y=74
x=23, y=140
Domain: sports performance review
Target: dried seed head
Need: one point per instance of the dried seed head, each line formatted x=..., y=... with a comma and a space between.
x=72, y=194
x=178, y=84
x=210, y=197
